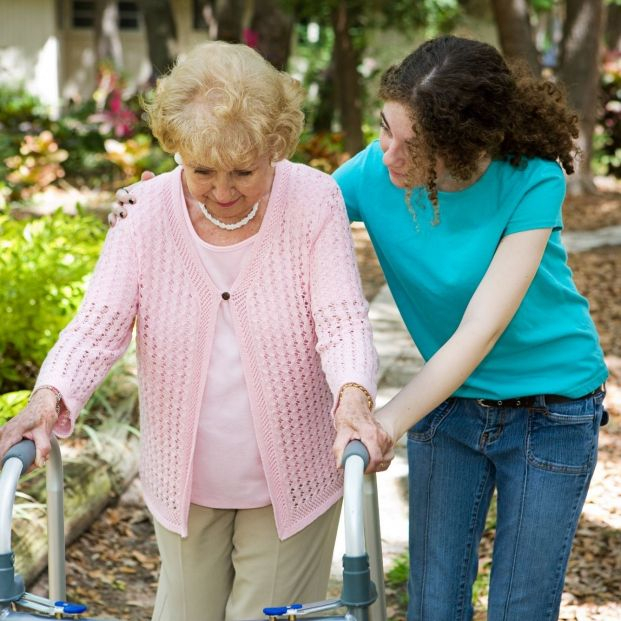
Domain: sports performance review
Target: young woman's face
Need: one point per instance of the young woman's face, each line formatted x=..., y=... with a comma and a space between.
x=229, y=193
x=395, y=134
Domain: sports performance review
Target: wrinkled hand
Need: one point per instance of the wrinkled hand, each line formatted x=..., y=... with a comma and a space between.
x=34, y=422
x=354, y=422
x=123, y=198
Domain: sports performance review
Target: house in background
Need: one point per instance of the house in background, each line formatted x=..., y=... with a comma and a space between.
x=49, y=45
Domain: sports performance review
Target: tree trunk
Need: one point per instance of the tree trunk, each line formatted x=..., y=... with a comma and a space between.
x=326, y=100
x=349, y=89
x=228, y=15
x=612, y=34
x=161, y=35
x=108, y=48
x=580, y=72
x=514, y=31
x=273, y=29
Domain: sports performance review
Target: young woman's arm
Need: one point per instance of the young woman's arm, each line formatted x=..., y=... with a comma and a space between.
x=489, y=312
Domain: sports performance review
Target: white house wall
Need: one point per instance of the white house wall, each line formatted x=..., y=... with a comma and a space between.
x=29, y=47
x=78, y=57
x=40, y=49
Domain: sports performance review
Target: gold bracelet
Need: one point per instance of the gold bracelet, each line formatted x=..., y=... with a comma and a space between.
x=56, y=392
x=366, y=393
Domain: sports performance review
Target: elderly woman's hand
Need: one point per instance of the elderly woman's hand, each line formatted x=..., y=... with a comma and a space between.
x=123, y=198
x=34, y=422
x=354, y=421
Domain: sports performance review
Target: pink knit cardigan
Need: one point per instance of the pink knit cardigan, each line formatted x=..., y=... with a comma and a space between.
x=301, y=322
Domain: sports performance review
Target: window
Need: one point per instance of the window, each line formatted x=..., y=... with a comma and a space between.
x=199, y=10
x=128, y=15
x=83, y=14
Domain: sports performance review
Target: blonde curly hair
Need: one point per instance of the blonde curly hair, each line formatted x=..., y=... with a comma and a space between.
x=224, y=105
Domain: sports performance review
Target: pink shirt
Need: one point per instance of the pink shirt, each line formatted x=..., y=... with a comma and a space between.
x=225, y=427
x=299, y=315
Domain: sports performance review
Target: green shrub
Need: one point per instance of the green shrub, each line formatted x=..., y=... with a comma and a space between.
x=322, y=150
x=607, y=139
x=44, y=263
x=18, y=107
x=11, y=403
x=38, y=164
x=20, y=113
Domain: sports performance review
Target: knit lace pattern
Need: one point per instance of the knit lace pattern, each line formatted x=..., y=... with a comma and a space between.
x=299, y=314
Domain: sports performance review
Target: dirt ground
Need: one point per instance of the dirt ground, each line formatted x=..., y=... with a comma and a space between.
x=113, y=567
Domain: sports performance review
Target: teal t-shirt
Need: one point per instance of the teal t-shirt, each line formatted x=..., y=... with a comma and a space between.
x=551, y=345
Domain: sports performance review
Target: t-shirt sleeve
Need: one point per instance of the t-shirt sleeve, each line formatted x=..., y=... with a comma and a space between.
x=348, y=177
x=540, y=207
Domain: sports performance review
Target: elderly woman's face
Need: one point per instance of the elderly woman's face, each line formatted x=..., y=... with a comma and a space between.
x=229, y=193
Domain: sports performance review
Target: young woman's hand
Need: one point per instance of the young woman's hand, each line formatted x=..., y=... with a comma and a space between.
x=354, y=421
x=34, y=422
x=123, y=198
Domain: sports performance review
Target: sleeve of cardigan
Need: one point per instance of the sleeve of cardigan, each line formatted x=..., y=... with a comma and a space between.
x=340, y=311
x=100, y=331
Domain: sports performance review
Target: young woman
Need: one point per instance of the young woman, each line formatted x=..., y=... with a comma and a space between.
x=462, y=198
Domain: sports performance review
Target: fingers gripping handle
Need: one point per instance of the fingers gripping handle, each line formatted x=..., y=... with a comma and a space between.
x=24, y=451
x=355, y=447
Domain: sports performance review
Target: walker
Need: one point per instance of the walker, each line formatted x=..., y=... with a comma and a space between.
x=362, y=596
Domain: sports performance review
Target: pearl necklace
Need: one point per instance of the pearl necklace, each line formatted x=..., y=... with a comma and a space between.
x=234, y=225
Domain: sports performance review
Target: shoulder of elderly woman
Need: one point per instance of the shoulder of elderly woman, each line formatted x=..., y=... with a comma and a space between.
x=313, y=184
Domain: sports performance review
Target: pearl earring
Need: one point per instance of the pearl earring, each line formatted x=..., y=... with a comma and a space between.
x=178, y=159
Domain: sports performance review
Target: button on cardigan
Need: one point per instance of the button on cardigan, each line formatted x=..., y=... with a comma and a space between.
x=299, y=315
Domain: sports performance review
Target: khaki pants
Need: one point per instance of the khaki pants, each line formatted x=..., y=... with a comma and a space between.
x=232, y=565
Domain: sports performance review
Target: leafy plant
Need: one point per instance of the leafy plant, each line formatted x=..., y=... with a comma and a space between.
x=38, y=164
x=44, y=263
x=20, y=113
x=396, y=580
x=18, y=107
x=113, y=114
x=86, y=163
x=11, y=403
x=137, y=154
x=607, y=138
x=322, y=150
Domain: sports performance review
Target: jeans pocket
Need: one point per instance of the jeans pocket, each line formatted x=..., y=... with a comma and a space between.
x=563, y=437
x=426, y=427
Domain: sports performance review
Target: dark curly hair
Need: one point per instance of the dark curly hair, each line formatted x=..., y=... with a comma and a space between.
x=466, y=101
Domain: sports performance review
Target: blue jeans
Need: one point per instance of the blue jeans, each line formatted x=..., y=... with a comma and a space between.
x=540, y=461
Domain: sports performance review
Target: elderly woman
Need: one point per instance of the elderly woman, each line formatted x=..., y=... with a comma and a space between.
x=238, y=272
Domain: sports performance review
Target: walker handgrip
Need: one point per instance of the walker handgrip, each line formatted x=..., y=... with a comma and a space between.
x=25, y=451
x=355, y=447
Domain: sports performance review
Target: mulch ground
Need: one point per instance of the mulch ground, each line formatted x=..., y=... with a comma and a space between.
x=113, y=567
x=585, y=213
